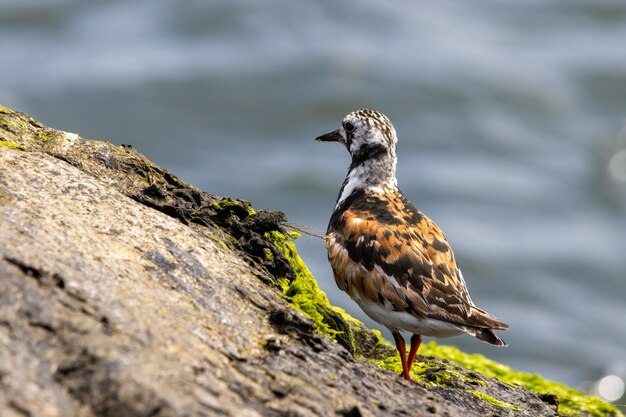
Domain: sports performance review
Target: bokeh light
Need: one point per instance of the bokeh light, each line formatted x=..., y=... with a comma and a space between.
x=609, y=388
x=617, y=165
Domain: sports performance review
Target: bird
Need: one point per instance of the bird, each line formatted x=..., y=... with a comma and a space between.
x=388, y=256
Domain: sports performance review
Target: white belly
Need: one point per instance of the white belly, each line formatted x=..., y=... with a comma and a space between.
x=398, y=320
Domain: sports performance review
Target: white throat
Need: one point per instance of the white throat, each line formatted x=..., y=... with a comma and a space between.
x=373, y=176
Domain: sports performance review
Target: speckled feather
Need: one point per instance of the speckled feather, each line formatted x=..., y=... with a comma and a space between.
x=388, y=255
x=383, y=249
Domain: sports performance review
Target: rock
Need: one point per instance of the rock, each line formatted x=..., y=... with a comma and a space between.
x=126, y=292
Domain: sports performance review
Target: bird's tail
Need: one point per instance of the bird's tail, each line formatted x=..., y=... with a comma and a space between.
x=486, y=335
x=483, y=327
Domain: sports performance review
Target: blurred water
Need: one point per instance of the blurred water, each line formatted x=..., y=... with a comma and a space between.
x=511, y=118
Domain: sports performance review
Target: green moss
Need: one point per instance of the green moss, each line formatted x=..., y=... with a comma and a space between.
x=433, y=373
x=493, y=401
x=571, y=401
x=221, y=242
x=46, y=137
x=439, y=373
x=390, y=363
x=7, y=144
x=18, y=124
x=268, y=254
x=306, y=296
x=303, y=291
x=229, y=203
x=5, y=110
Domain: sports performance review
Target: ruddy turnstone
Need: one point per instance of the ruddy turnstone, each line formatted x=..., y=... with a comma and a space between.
x=387, y=255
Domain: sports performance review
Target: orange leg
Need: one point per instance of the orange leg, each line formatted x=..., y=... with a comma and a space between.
x=400, y=345
x=416, y=341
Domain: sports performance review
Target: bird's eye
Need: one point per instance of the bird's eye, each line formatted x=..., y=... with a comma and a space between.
x=349, y=127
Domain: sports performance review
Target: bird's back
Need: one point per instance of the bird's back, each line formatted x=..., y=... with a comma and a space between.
x=385, y=251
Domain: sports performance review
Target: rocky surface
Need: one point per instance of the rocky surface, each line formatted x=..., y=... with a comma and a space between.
x=125, y=292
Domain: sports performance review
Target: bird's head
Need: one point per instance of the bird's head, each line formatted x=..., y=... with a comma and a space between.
x=366, y=133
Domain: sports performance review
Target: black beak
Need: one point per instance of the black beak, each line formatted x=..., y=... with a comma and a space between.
x=333, y=136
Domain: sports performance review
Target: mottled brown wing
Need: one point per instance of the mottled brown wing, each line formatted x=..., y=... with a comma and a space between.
x=384, y=247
